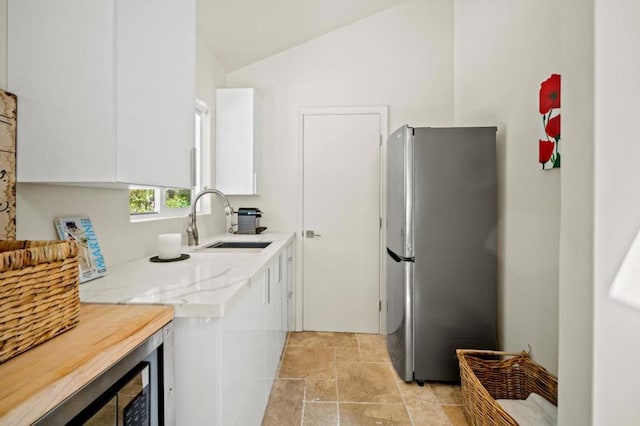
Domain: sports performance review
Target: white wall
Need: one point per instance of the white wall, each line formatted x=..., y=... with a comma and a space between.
x=576, y=236
x=401, y=57
x=120, y=240
x=617, y=209
x=503, y=51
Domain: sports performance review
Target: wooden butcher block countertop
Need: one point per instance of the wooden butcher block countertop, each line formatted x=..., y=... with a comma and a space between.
x=36, y=381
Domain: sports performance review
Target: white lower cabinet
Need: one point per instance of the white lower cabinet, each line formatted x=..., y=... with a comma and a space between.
x=287, y=288
x=225, y=367
x=275, y=331
x=197, y=366
x=243, y=361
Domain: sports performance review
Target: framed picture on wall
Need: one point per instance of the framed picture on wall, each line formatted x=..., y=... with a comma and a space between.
x=549, y=141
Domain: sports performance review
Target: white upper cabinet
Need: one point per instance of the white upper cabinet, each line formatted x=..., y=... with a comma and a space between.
x=237, y=141
x=105, y=90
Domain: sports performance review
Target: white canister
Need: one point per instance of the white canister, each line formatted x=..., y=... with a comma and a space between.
x=169, y=246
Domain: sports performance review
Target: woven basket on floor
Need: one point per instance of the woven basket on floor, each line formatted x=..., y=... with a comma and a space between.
x=490, y=375
x=39, y=295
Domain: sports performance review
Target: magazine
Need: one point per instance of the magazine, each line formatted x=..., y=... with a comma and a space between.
x=90, y=257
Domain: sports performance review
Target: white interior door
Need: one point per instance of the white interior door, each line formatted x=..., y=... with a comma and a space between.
x=341, y=207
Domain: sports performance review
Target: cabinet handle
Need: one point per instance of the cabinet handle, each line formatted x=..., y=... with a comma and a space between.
x=255, y=182
x=267, y=287
x=193, y=167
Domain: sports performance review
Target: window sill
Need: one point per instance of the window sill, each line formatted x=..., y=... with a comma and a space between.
x=154, y=217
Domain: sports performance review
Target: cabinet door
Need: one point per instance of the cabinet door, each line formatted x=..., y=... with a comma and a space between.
x=238, y=152
x=244, y=394
x=274, y=322
x=288, y=286
x=282, y=297
x=60, y=65
x=197, y=355
x=106, y=89
x=284, y=292
x=156, y=44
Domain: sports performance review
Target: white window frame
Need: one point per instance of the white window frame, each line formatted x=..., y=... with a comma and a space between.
x=203, y=154
x=202, y=172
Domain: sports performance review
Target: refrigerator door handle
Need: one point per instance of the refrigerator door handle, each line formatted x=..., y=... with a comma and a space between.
x=400, y=258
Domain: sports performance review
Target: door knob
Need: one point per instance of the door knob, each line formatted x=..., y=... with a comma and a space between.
x=309, y=233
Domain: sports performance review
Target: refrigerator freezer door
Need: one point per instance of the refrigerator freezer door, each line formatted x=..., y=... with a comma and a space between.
x=400, y=251
x=455, y=252
x=399, y=192
x=399, y=315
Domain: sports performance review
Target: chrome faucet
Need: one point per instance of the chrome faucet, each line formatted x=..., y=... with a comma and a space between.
x=192, y=229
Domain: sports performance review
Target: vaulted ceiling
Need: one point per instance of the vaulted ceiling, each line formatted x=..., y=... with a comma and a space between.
x=240, y=32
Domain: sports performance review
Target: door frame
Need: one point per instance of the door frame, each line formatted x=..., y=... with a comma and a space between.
x=382, y=112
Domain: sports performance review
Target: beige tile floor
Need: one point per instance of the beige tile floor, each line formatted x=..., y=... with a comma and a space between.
x=347, y=379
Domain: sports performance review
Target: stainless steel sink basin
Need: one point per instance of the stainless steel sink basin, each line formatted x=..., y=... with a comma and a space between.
x=240, y=244
x=235, y=247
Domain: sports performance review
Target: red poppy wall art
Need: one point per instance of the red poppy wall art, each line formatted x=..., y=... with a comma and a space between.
x=549, y=143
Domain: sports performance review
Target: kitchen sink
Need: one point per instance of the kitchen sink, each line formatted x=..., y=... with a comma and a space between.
x=235, y=247
x=240, y=244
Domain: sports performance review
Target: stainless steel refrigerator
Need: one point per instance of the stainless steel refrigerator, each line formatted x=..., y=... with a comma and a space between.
x=441, y=248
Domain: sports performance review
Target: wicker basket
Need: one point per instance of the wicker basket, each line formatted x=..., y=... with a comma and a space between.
x=39, y=295
x=490, y=375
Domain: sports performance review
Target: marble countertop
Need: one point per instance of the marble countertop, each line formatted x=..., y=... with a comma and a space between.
x=205, y=285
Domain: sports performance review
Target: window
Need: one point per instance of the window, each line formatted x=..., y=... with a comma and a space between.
x=147, y=202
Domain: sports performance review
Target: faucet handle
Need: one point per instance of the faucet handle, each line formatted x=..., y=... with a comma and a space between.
x=192, y=232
